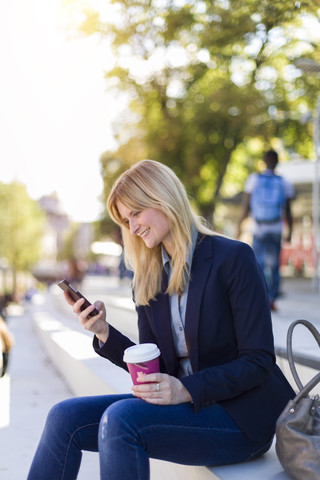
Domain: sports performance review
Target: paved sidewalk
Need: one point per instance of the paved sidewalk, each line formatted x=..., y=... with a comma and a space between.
x=26, y=395
x=33, y=385
x=298, y=301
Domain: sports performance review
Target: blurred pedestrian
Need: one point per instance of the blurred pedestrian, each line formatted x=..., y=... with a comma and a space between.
x=124, y=272
x=6, y=344
x=267, y=196
x=76, y=271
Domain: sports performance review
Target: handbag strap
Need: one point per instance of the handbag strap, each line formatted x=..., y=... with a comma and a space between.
x=304, y=390
x=307, y=388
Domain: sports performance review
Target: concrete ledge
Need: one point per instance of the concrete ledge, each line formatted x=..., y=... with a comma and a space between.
x=266, y=467
x=303, y=359
x=72, y=354
x=87, y=374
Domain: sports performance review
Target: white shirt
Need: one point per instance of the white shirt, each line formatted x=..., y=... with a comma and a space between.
x=178, y=312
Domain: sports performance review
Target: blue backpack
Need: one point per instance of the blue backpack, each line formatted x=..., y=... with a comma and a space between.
x=268, y=199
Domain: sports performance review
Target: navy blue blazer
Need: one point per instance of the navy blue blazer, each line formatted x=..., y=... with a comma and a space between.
x=228, y=334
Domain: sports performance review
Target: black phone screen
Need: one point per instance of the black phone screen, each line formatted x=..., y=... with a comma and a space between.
x=76, y=295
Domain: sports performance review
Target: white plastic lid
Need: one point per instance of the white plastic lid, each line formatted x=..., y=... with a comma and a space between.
x=141, y=353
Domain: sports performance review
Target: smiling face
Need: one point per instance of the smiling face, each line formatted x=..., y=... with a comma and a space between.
x=149, y=224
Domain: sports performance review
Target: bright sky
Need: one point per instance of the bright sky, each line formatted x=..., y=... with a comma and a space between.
x=55, y=114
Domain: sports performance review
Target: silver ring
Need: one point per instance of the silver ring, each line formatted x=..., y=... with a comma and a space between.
x=157, y=387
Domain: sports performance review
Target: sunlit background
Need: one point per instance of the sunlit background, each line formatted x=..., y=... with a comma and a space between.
x=55, y=114
x=209, y=91
x=58, y=113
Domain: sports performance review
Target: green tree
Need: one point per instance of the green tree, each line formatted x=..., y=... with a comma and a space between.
x=205, y=77
x=21, y=232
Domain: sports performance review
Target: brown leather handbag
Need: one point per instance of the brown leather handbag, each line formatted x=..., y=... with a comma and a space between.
x=298, y=427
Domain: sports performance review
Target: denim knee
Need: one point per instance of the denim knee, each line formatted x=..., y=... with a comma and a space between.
x=62, y=420
x=58, y=415
x=118, y=419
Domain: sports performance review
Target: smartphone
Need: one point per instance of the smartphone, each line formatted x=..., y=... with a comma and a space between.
x=76, y=295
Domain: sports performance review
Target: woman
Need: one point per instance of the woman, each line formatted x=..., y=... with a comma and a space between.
x=202, y=299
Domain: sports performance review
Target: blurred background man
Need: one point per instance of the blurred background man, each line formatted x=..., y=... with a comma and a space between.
x=267, y=197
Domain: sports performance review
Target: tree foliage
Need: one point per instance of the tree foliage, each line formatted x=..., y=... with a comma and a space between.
x=22, y=225
x=205, y=79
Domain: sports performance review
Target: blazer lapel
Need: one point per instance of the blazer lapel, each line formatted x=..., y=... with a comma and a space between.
x=200, y=269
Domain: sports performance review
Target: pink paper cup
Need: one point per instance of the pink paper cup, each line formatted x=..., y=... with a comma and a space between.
x=142, y=358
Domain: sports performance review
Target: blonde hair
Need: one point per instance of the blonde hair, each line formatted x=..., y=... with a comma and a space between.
x=150, y=184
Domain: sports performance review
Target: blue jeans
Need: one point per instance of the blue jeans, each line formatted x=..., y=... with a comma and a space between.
x=267, y=251
x=127, y=431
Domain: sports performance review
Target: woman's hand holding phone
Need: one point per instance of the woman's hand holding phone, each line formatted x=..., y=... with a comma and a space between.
x=97, y=324
x=91, y=317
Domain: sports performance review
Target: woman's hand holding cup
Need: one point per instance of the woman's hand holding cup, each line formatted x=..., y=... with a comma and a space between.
x=148, y=383
x=161, y=389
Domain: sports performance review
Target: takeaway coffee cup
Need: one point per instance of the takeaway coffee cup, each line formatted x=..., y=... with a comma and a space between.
x=142, y=358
